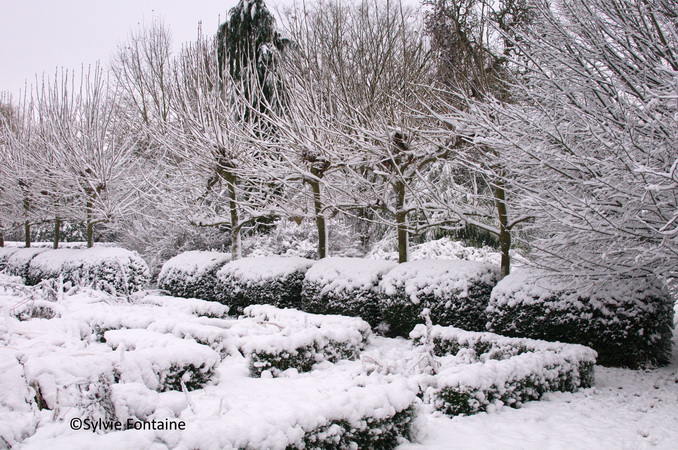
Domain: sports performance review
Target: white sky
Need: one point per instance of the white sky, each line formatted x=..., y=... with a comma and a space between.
x=39, y=36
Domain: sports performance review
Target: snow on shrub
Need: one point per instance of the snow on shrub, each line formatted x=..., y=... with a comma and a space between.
x=192, y=274
x=301, y=340
x=628, y=322
x=347, y=286
x=456, y=292
x=502, y=371
x=5, y=253
x=49, y=264
x=272, y=280
x=18, y=261
x=163, y=362
x=110, y=269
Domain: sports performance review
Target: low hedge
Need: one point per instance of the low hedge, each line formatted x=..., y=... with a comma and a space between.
x=346, y=286
x=455, y=291
x=162, y=362
x=193, y=274
x=5, y=253
x=271, y=280
x=503, y=371
x=49, y=265
x=301, y=340
x=628, y=322
x=18, y=262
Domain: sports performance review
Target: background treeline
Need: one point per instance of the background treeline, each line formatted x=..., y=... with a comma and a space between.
x=549, y=125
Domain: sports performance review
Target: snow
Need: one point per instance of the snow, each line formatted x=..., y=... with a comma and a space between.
x=69, y=361
x=193, y=263
x=437, y=277
x=258, y=269
x=347, y=274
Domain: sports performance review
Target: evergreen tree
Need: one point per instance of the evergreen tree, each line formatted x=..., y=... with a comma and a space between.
x=248, y=47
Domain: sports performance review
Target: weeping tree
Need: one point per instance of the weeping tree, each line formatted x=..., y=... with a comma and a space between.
x=248, y=49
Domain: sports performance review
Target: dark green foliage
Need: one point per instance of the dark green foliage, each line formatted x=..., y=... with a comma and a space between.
x=303, y=358
x=187, y=280
x=248, y=46
x=464, y=310
x=363, y=303
x=193, y=377
x=281, y=292
x=367, y=433
x=630, y=329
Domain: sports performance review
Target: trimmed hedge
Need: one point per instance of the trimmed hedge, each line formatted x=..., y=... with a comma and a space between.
x=49, y=265
x=18, y=262
x=271, y=280
x=193, y=274
x=5, y=253
x=302, y=340
x=628, y=322
x=109, y=269
x=506, y=371
x=346, y=286
x=162, y=362
x=455, y=291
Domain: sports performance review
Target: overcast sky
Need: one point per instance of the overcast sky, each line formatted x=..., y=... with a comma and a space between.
x=38, y=36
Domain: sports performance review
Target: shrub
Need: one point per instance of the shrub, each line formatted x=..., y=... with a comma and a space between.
x=162, y=362
x=193, y=274
x=5, y=253
x=302, y=340
x=628, y=322
x=49, y=265
x=456, y=292
x=17, y=263
x=503, y=371
x=272, y=280
x=346, y=286
x=114, y=270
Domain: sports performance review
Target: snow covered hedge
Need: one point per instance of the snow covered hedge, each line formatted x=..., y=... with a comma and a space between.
x=18, y=261
x=271, y=280
x=501, y=370
x=192, y=274
x=110, y=269
x=163, y=362
x=456, y=292
x=346, y=286
x=5, y=253
x=302, y=340
x=629, y=323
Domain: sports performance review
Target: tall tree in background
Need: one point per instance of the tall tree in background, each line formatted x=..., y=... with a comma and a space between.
x=248, y=48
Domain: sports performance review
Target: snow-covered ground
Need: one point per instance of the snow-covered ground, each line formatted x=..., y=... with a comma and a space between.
x=92, y=334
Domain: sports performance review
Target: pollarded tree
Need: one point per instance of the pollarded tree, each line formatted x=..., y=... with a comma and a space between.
x=214, y=175
x=359, y=66
x=475, y=44
x=88, y=145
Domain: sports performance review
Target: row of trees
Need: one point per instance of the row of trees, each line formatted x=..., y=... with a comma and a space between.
x=553, y=125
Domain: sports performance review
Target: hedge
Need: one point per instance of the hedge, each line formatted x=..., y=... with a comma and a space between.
x=271, y=280
x=502, y=371
x=346, y=286
x=193, y=274
x=455, y=291
x=628, y=322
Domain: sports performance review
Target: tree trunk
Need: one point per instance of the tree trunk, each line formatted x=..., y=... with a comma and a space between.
x=319, y=217
x=27, y=234
x=57, y=232
x=2, y=239
x=90, y=224
x=401, y=223
x=504, y=232
x=236, y=250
